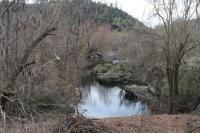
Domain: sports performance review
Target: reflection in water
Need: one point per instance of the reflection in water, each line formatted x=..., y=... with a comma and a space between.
x=101, y=102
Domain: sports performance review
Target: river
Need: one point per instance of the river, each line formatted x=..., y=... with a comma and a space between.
x=99, y=101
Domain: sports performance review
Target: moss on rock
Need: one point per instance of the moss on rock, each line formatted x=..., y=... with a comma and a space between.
x=112, y=73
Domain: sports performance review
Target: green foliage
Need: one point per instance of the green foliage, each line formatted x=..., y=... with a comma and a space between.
x=103, y=13
x=112, y=73
x=114, y=12
x=189, y=88
x=111, y=76
x=190, y=81
x=116, y=68
x=122, y=24
x=119, y=19
x=102, y=68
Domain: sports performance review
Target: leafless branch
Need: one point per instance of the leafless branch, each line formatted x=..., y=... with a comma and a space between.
x=6, y=10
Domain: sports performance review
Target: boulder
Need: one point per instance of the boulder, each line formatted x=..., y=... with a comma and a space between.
x=137, y=90
x=112, y=73
x=141, y=90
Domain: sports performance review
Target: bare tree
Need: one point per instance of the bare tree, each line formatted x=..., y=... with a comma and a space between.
x=23, y=26
x=177, y=35
x=81, y=25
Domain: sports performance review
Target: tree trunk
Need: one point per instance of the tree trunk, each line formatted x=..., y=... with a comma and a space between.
x=169, y=76
x=172, y=75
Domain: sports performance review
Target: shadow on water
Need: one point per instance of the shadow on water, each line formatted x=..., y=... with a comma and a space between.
x=100, y=102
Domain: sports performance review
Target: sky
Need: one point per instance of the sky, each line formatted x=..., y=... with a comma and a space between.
x=140, y=9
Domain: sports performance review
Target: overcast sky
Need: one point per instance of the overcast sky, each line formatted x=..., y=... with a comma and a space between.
x=140, y=9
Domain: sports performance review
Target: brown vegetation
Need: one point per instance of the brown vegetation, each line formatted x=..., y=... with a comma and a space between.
x=46, y=46
x=155, y=124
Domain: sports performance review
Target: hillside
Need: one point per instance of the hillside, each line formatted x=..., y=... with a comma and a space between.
x=117, y=18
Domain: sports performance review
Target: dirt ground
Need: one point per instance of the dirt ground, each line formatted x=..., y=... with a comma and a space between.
x=134, y=124
x=28, y=127
x=155, y=124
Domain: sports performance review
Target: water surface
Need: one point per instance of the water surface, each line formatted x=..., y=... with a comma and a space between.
x=100, y=102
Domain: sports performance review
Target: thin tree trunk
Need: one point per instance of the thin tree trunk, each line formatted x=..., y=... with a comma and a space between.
x=176, y=77
x=175, y=87
x=172, y=75
x=169, y=76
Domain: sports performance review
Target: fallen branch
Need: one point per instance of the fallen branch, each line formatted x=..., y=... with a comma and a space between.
x=86, y=126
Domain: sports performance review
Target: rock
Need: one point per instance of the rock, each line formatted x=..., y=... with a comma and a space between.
x=112, y=73
x=143, y=92
x=101, y=68
x=152, y=90
x=137, y=90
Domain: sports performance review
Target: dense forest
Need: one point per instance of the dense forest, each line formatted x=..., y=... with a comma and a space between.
x=65, y=65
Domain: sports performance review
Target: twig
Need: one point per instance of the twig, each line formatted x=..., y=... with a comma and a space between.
x=194, y=129
x=7, y=98
x=3, y=114
x=7, y=8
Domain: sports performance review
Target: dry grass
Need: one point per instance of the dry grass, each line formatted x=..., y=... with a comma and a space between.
x=134, y=124
x=28, y=127
x=155, y=124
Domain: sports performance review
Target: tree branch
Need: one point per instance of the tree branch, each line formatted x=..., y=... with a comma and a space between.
x=34, y=43
x=7, y=8
x=25, y=66
x=22, y=65
x=191, y=48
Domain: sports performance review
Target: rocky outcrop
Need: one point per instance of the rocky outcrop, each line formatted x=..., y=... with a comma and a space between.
x=125, y=76
x=108, y=73
x=141, y=90
x=146, y=94
x=122, y=75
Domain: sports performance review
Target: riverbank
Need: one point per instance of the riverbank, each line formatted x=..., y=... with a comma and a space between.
x=126, y=77
x=133, y=124
x=150, y=86
x=155, y=124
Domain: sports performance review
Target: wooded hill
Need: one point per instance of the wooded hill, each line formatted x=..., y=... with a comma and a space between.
x=117, y=18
